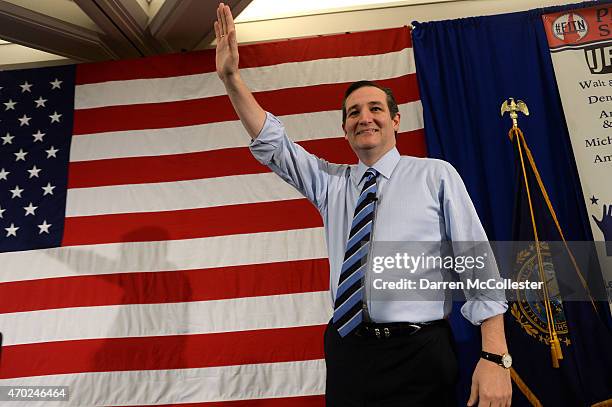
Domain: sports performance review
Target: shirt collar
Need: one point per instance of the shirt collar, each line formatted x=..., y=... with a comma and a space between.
x=385, y=166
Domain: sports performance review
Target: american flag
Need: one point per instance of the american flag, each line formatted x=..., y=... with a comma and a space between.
x=148, y=259
x=35, y=126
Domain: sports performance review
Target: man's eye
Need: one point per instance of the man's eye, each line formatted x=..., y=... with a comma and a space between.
x=353, y=113
x=376, y=108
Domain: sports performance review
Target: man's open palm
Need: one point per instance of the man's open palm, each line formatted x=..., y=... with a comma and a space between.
x=227, y=46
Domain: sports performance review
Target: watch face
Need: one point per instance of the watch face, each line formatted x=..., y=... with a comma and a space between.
x=506, y=360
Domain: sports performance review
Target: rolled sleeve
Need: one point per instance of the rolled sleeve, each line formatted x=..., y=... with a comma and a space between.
x=290, y=161
x=481, y=308
x=268, y=140
x=468, y=237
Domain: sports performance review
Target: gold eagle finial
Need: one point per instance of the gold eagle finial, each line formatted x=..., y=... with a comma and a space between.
x=513, y=107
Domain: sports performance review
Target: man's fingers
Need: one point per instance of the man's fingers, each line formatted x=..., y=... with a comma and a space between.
x=223, y=19
x=229, y=20
x=231, y=39
x=473, y=395
x=220, y=19
x=509, y=397
x=217, y=33
x=502, y=398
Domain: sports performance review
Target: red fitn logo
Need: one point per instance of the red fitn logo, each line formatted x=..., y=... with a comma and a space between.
x=570, y=28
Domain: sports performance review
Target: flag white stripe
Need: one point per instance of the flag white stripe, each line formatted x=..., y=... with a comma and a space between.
x=169, y=196
x=287, y=75
x=218, y=251
x=216, y=136
x=225, y=383
x=183, y=318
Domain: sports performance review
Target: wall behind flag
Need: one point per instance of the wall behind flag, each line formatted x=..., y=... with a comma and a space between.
x=390, y=14
x=393, y=15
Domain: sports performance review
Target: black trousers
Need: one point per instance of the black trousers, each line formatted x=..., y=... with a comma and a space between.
x=410, y=370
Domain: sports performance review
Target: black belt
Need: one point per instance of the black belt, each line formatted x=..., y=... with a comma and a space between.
x=393, y=329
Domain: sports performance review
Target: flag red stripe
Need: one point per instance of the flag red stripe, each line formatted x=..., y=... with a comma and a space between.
x=210, y=164
x=191, y=223
x=254, y=55
x=412, y=143
x=218, y=108
x=174, y=167
x=166, y=287
x=303, y=401
x=163, y=352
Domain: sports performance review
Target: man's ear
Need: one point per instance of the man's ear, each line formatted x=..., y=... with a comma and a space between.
x=396, y=122
x=344, y=130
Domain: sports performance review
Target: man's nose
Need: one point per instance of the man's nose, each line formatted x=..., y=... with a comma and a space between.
x=365, y=116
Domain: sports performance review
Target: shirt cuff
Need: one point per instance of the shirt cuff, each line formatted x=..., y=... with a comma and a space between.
x=479, y=309
x=268, y=139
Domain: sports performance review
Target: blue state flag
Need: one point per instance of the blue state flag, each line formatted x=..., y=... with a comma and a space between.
x=558, y=340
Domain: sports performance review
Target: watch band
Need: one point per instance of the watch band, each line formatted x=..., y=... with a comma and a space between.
x=504, y=360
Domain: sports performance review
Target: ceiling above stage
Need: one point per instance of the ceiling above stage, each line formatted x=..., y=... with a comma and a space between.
x=95, y=30
x=49, y=32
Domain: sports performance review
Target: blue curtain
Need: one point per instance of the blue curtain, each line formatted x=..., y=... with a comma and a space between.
x=466, y=68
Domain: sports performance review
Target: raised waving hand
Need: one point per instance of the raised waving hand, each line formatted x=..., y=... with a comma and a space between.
x=227, y=46
x=245, y=105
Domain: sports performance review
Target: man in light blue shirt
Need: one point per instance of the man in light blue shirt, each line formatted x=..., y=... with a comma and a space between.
x=419, y=200
x=402, y=353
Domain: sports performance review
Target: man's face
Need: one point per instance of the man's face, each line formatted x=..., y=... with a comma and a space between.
x=369, y=127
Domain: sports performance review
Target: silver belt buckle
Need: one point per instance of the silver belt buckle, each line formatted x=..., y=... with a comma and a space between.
x=417, y=328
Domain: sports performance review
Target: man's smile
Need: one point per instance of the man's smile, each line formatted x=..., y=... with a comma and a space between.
x=363, y=131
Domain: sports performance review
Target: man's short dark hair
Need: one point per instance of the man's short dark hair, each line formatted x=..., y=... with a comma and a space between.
x=391, y=103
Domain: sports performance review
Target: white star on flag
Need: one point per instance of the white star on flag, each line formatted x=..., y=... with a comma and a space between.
x=34, y=172
x=51, y=152
x=20, y=155
x=3, y=174
x=48, y=189
x=10, y=105
x=40, y=102
x=30, y=209
x=55, y=117
x=7, y=139
x=44, y=227
x=56, y=84
x=26, y=87
x=1, y=212
x=16, y=192
x=12, y=230
x=38, y=136
x=24, y=121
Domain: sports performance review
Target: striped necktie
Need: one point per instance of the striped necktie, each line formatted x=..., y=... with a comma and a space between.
x=348, y=307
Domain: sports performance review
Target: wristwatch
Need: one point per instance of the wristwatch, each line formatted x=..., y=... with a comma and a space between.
x=504, y=360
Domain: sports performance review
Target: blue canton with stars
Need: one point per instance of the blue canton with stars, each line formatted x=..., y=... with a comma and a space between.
x=36, y=111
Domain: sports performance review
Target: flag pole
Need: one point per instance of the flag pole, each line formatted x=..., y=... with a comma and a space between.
x=515, y=133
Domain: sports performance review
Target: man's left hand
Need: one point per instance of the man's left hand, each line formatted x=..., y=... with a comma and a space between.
x=491, y=385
